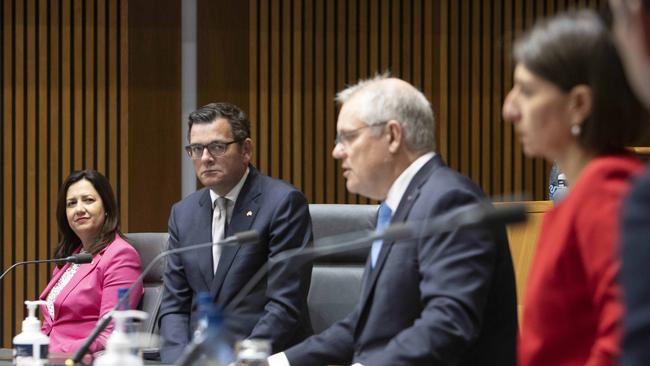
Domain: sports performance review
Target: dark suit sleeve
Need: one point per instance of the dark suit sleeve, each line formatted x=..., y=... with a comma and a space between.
x=334, y=346
x=176, y=304
x=635, y=270
x=287, y=286
x=456, y=271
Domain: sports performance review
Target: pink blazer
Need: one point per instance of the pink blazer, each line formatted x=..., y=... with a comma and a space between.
x=91, y=293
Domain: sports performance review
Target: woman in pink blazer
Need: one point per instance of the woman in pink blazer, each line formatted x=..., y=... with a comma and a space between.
x=79, y=294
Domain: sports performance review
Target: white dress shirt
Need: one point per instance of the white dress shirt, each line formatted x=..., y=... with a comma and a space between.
x=218, y=220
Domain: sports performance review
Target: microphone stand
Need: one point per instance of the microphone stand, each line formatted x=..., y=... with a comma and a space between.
x=242, y=238
x=464, y=217
x=475, y=215
x=72, y=259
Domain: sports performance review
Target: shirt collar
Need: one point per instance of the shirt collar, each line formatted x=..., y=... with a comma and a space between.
x=234, y=192
x=402, y=182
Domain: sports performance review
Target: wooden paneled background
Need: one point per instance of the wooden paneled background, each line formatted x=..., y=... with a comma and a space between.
x=456, y=52
x=96, y=84
x=63, y=106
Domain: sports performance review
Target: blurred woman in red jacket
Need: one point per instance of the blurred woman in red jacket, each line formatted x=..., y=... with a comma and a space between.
x=570, y=103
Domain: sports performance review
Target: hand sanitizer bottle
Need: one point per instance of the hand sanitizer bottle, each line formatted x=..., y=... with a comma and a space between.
x=118, y=346
x=31, y=346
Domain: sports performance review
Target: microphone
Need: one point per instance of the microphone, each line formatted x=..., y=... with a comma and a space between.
x=479, y=215
x=243, y=238
x=77, y=259
x=471, y=216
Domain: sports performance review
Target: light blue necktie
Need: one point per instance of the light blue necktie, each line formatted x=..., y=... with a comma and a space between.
x=383, y=220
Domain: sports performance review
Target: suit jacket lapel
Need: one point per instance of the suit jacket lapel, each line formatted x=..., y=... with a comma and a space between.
x=43, y=296
x=401, y=214
x=204, y=255
x=243, y=215
x=82, y=272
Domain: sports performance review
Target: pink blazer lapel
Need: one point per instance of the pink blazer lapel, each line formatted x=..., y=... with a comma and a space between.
x=56, y=274
x=83, y=271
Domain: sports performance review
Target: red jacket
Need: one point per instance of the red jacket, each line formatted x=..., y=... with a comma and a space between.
x=572, y=307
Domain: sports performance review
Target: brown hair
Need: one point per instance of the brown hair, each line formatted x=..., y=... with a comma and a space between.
x=573, y=49
x=68, y=240
x=239, y=123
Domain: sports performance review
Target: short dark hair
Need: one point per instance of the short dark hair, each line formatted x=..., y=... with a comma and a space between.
x=575, y=48
x=68, y=240
x=239, y=123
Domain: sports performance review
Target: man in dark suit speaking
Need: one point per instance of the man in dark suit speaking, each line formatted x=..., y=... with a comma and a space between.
x=236, y=198
x=447, y=299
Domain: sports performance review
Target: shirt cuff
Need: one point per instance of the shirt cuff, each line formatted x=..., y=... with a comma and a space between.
x=278, y=359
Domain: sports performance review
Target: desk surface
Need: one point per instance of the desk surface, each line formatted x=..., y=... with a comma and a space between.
x=56, y=359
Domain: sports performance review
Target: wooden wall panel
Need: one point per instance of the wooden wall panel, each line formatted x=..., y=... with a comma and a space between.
x=154, y=113
x=301, y=52
x=73, y=72
x=523, y=242
x=62, y=105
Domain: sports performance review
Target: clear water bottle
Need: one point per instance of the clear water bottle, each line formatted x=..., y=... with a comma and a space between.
x=209, y=346
x=253, y=352
x=204, y=308
x=130, y=325
x=217, y=347
x=119, y=345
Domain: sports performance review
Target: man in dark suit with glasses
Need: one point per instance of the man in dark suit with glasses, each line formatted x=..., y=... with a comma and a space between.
x=235, y=198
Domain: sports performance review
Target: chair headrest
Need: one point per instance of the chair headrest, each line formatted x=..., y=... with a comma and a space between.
x=336, y=219
x=149, y=245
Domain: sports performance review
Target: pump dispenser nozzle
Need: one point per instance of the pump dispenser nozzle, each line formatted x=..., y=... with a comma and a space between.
x=31, y=322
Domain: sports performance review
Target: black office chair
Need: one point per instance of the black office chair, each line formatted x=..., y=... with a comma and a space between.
x=148, y=246
x=336, y=279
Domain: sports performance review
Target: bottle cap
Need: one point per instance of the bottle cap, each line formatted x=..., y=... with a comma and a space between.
x=121, y=292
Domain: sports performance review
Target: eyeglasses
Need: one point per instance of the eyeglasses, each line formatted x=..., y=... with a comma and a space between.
x=215, y=148
x=346, y=137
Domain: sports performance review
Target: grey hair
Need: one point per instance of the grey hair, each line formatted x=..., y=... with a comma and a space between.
x=381, y=100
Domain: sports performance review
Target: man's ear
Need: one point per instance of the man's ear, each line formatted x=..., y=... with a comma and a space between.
x=247, y=148
x=580, y=103
x=395, y=134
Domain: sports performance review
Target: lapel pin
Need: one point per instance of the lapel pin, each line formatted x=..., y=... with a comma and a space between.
x=249, y=213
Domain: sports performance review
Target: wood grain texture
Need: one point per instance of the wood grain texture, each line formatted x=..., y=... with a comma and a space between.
x=523, y=243
x=62, y=80
x=456, y=52
x=96, y=84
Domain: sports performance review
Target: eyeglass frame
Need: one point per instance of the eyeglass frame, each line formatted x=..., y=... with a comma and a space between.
x=189, y=148
x=348, y=136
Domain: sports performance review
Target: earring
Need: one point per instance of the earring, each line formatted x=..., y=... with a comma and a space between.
x=575, y=130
